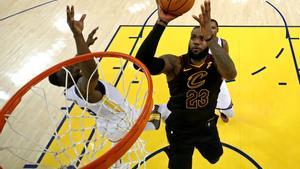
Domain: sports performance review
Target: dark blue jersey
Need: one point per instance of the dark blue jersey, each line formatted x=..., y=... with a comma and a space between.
x=194, y=91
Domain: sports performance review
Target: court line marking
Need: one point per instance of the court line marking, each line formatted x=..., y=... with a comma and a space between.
x=165, y=149
x=259, y=70
x=288, y=37
x=280, y=52
x=282, y=83
x=26, y=10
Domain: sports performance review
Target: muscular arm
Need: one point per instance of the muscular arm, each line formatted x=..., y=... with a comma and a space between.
x=222, y=60
x=148, y=48
x=82, y=47
x=167, y=64
x=172, y=66
x=225, y=45
x=88, y=68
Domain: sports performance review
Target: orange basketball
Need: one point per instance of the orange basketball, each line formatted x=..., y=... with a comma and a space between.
x=176, y=7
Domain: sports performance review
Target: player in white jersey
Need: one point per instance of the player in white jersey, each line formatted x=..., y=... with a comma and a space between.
x=113, y=113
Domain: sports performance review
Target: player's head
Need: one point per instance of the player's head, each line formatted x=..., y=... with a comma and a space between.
x=197, y=45
x=214, y=26
x=59, y=78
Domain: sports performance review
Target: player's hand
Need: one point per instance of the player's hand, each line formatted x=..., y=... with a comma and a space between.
x=163, y=16
x=75, y=26
x=204, y=20
x=91, y=39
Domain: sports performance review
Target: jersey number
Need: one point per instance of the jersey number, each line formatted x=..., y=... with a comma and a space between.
x=196, y=99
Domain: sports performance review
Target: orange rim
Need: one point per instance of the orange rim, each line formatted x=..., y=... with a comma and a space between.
x=112, y=155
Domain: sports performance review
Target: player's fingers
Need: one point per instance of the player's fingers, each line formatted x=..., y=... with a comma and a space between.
x=196, y=18
x=94, y=31
x=82, y=18
x=72, y=12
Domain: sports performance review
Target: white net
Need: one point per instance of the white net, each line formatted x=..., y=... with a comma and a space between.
x=51, y=129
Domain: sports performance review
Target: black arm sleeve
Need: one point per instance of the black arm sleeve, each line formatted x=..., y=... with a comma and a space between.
x=147, y=51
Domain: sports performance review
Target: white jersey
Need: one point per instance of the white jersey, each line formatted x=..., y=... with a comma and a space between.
x=112, y=111
x=224, y=104
x=112, y=102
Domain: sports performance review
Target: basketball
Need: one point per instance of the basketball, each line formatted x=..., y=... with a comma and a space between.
x=176, y=7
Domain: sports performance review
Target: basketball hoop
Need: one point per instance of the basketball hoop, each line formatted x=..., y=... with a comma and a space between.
x=109, y=157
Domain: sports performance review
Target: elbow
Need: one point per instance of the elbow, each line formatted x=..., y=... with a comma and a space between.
x=150, y=69
x=141, y=59
x=231, y=75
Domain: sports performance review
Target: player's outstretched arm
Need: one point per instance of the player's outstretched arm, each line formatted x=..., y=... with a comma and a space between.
x=88, y=68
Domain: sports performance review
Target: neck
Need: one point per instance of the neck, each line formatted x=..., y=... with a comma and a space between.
x=198, y=61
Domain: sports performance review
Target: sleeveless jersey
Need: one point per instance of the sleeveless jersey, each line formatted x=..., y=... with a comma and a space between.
x=111, y=111
x=111, y=103
x=194, y=92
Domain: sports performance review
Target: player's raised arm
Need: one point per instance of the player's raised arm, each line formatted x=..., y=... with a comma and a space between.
x=88, y=68
x=222, y=59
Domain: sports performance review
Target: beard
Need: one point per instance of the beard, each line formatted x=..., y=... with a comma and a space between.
x=198, y=56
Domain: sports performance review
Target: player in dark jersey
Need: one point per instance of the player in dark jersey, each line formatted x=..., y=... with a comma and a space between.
x=194, y=81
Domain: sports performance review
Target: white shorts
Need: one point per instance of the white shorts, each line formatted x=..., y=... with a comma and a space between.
x=224, y=103
x=164, y=111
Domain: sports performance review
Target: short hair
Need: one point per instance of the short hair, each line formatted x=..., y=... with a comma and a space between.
x=54, y=79
x=215, y=21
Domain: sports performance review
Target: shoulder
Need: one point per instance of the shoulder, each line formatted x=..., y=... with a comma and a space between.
x=172, y=65
x=169, y=57
x=171, y=61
